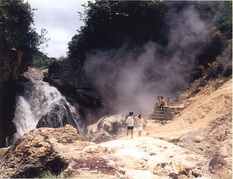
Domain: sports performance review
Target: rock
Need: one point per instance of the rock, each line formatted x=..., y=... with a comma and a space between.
x=217, y=164
x=12, y=64
x=180, y=168
x=182, y=177
x=3, y=151
x=197, y=173
x=35, y=152
x=152, y=153
x=113, y=125
x=75, y=85
x=101, y=136
x=59, y=116
x=198, y=139
x=94, y=149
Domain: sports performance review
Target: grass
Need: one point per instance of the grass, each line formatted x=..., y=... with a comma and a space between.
x=47, y=174
x=68, y=174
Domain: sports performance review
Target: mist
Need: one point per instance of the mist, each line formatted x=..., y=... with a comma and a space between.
x=131, y=80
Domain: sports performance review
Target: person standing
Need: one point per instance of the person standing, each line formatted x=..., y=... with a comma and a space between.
x=130, y=124
x=162, y=103
x=140, y=122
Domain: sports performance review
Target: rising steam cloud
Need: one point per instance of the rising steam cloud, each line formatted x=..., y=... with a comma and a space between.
x=132, y=80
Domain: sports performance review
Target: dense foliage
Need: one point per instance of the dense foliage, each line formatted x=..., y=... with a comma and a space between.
x=112, y=24
x=16, y=18
x=41, y=61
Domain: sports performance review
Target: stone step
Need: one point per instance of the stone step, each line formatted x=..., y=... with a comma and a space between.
x=154, y=115
x=159, y=114
x=176, y=103
x=158, y=109
x=158, y=118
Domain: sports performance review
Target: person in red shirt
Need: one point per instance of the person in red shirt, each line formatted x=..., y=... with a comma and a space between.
x=162, y=103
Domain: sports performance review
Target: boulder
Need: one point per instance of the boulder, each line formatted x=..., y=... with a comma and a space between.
x=35, y=152
x=101, y=136
x=217, y=164
x=113, y=125
x=198, y=139
x=59, y=116
x=59, y=152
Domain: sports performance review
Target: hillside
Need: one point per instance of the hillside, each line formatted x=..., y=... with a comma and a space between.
x=201, y=112
x=196, y=144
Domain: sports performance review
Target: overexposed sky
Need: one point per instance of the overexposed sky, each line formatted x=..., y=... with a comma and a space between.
x=61, y=19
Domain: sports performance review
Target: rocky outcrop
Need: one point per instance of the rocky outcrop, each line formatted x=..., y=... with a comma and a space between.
x=59, y=116
x=54, y=150
x=36, y=152
x=106, y=127
x=100, y=136
x=12, y=64
x=63, y=152
x=215, y=143
x=78, y=89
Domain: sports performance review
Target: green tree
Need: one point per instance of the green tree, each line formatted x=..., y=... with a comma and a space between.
x=110, y=24
x=41, y=61
x=16, y=19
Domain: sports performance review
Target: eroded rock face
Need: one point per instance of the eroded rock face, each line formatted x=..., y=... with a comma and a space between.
x=215, y=143
x=77, y=88
x=59, y=116
x=12, y=64
x=36, y=152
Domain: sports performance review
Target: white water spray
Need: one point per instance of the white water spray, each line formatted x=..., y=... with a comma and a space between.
x=37, y=100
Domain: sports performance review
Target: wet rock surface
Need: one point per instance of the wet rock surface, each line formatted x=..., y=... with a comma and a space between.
x=59, y=116
x=77, y=88
x=12, y=64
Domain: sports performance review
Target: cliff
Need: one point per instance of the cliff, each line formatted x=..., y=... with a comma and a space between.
x=77, y=88
x=12, y=64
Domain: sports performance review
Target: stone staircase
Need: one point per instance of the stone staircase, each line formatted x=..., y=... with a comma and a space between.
x=172, y=108
x=163, y=116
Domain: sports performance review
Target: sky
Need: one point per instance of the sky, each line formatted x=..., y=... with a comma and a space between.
x=61, y=19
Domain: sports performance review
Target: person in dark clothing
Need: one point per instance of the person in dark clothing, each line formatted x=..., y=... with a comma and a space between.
x=162, y=103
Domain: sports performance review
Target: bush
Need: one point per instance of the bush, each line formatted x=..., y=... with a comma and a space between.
x=47, y=174
x=228, y=71
x=41, y=61
x=215, y=69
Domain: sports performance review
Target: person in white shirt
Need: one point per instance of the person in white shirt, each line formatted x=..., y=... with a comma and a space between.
x=140, y=122
x=130, y=124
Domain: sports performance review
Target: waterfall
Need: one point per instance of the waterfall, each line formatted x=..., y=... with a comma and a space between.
x=41, y=105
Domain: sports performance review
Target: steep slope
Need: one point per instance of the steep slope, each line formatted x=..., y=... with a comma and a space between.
x=203, y=109
x=204, y=126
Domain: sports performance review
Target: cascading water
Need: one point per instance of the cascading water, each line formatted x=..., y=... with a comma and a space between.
x=41, y=105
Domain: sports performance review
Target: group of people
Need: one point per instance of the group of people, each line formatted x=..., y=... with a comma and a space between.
x=130, y=124
x=140, y=121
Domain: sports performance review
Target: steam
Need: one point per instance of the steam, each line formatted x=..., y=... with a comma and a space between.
x=131, y=80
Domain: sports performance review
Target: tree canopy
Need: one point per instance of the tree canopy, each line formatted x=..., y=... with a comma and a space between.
x=16, y=19
x=112, y=24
